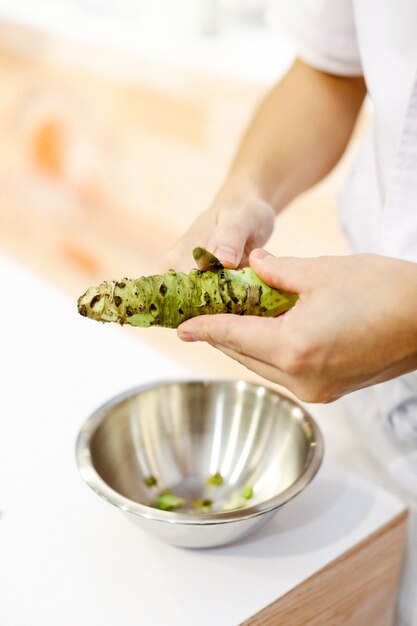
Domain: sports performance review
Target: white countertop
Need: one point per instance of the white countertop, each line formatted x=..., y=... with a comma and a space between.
x=69, y=558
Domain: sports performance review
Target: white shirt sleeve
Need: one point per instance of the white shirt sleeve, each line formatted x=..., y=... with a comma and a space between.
x=323, y=33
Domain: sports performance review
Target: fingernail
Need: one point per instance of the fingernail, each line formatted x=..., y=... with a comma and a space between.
x=261, y=254
x=226, y=254
x=184, y=335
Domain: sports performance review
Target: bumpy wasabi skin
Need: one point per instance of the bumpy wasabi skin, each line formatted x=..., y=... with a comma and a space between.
x=171, y=298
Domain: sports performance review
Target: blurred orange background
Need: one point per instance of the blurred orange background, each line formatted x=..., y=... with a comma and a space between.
x=117, y=123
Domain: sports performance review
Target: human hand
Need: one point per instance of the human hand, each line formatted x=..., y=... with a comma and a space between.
x=353, y=325
x=229, y=229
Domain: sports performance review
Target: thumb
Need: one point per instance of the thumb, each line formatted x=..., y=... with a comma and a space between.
x=240, y=226
x=286, y=273
x=228, y=241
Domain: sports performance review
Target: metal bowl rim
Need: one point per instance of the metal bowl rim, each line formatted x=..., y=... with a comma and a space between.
x=94, y=480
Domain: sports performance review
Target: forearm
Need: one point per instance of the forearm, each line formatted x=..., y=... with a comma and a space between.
x=297, y=136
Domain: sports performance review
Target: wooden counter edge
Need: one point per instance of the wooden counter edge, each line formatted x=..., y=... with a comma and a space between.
x=358, y=588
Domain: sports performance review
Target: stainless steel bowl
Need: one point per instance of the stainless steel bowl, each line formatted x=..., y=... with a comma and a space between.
x=182, y=433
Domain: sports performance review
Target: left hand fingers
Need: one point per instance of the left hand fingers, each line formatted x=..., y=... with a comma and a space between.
x=265, y=370
x=267, y=347
x=249, y=336
x=247, y=340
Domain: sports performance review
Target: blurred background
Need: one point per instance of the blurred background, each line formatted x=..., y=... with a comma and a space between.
x=118, y=119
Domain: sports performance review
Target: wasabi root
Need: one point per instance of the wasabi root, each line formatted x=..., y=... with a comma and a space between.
x=172, y=298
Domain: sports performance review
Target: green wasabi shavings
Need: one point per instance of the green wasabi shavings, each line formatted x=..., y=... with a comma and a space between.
x=238, y=500
x=216, y=480
x=234, y=502
x=247, y=492
x=150, y=481
x=204, y=504
x=167, y=501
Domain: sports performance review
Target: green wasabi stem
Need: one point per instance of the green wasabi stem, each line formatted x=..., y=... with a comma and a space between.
x=150, y=481
x=247, y=492
x=216, y=480
x=172, y=298
x=167, y=501
x=205, y=505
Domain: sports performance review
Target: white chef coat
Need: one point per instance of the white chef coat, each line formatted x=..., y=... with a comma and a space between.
x=376, y=38
x=378, y=205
